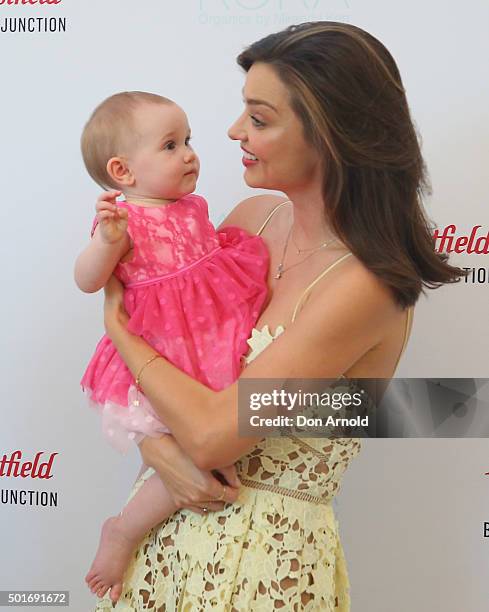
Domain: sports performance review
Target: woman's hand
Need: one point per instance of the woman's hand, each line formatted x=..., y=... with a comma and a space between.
x=115, y=314
x=189, y=486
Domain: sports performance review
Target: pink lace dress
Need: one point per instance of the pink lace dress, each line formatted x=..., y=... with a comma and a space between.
x=194, y=294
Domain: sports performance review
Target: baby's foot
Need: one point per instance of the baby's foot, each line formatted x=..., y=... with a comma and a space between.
x=111, y=561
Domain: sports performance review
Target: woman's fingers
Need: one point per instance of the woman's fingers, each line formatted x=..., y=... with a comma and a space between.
x=114, y=311
x=195, y=509
x=114, y=294
x=230, y=494
x=230, y=475
x=211, y=507
x=220, y=492
x=200, y=509
x=215, y=496
x=114, y=289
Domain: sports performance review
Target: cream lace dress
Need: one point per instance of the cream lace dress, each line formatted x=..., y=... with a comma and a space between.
x=276, y=548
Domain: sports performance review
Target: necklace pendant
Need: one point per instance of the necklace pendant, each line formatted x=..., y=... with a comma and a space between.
x=280, y=270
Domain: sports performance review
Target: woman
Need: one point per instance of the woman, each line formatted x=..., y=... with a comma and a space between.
x=327, y=123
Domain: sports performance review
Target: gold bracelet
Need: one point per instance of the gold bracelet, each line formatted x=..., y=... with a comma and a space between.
x=138, y=377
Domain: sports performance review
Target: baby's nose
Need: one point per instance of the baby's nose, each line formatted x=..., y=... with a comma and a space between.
x=189, y=155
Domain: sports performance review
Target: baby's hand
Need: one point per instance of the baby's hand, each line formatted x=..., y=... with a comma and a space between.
x=112, y=219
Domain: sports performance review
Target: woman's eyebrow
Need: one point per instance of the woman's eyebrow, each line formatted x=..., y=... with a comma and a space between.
x=256, y=102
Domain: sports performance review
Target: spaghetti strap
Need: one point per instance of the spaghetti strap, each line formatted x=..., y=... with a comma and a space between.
x=314, y=282
x=258, y=233
x=406, y=330
x=406, y=334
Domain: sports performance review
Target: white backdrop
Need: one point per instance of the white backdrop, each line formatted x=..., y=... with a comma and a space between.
x=411, y=511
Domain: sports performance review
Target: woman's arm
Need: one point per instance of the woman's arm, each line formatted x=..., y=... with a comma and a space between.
x=334, y=330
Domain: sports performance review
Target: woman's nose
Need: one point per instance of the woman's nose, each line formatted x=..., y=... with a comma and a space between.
x=237, y=131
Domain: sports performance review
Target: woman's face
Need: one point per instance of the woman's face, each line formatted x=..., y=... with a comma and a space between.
x=275, y=152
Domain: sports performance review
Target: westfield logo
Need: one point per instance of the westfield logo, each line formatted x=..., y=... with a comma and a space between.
x=15, y=466
x=446, y=241
x=27, y=2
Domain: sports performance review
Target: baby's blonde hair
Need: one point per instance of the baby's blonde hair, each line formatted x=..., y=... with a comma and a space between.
x=105, y=134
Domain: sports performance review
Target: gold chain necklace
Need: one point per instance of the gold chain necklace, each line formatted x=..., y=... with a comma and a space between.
x=280, y=268
x=321, y=246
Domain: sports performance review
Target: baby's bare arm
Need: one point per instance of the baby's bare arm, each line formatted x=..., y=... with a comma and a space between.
x=110, y=242
x=97, y=261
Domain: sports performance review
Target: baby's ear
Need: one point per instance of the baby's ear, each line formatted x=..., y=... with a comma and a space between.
x=119, y=172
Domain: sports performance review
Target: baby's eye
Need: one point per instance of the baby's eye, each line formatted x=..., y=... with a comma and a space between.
x=256, y=122
x=169, y=145
x=187, y=140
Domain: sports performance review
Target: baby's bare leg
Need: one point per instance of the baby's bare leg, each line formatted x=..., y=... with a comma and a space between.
x=141, y=472
x=120, y=534
x=151, y=505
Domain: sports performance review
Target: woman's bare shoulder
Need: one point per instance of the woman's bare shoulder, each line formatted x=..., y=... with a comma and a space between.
x=352, y=280
x=252, y=212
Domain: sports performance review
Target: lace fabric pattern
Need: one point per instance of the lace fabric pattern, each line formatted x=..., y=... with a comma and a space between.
x=265, y=552
x=270, y=550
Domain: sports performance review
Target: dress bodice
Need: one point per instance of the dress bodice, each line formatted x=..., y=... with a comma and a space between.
x=166, y=238
x=305, y=468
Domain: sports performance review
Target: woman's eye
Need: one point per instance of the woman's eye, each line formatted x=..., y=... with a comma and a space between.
x=256, y=122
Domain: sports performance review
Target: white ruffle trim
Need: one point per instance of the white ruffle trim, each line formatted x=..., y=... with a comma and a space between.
x=125, y=425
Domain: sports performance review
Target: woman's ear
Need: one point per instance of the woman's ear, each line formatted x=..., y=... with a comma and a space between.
x=119, y=172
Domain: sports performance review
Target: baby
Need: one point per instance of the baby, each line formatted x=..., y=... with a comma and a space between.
x=192, y=292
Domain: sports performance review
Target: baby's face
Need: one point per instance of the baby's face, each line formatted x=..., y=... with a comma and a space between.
x=162, y=159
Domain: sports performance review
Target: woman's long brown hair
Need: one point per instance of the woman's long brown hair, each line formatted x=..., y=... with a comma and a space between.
x=346, y=89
